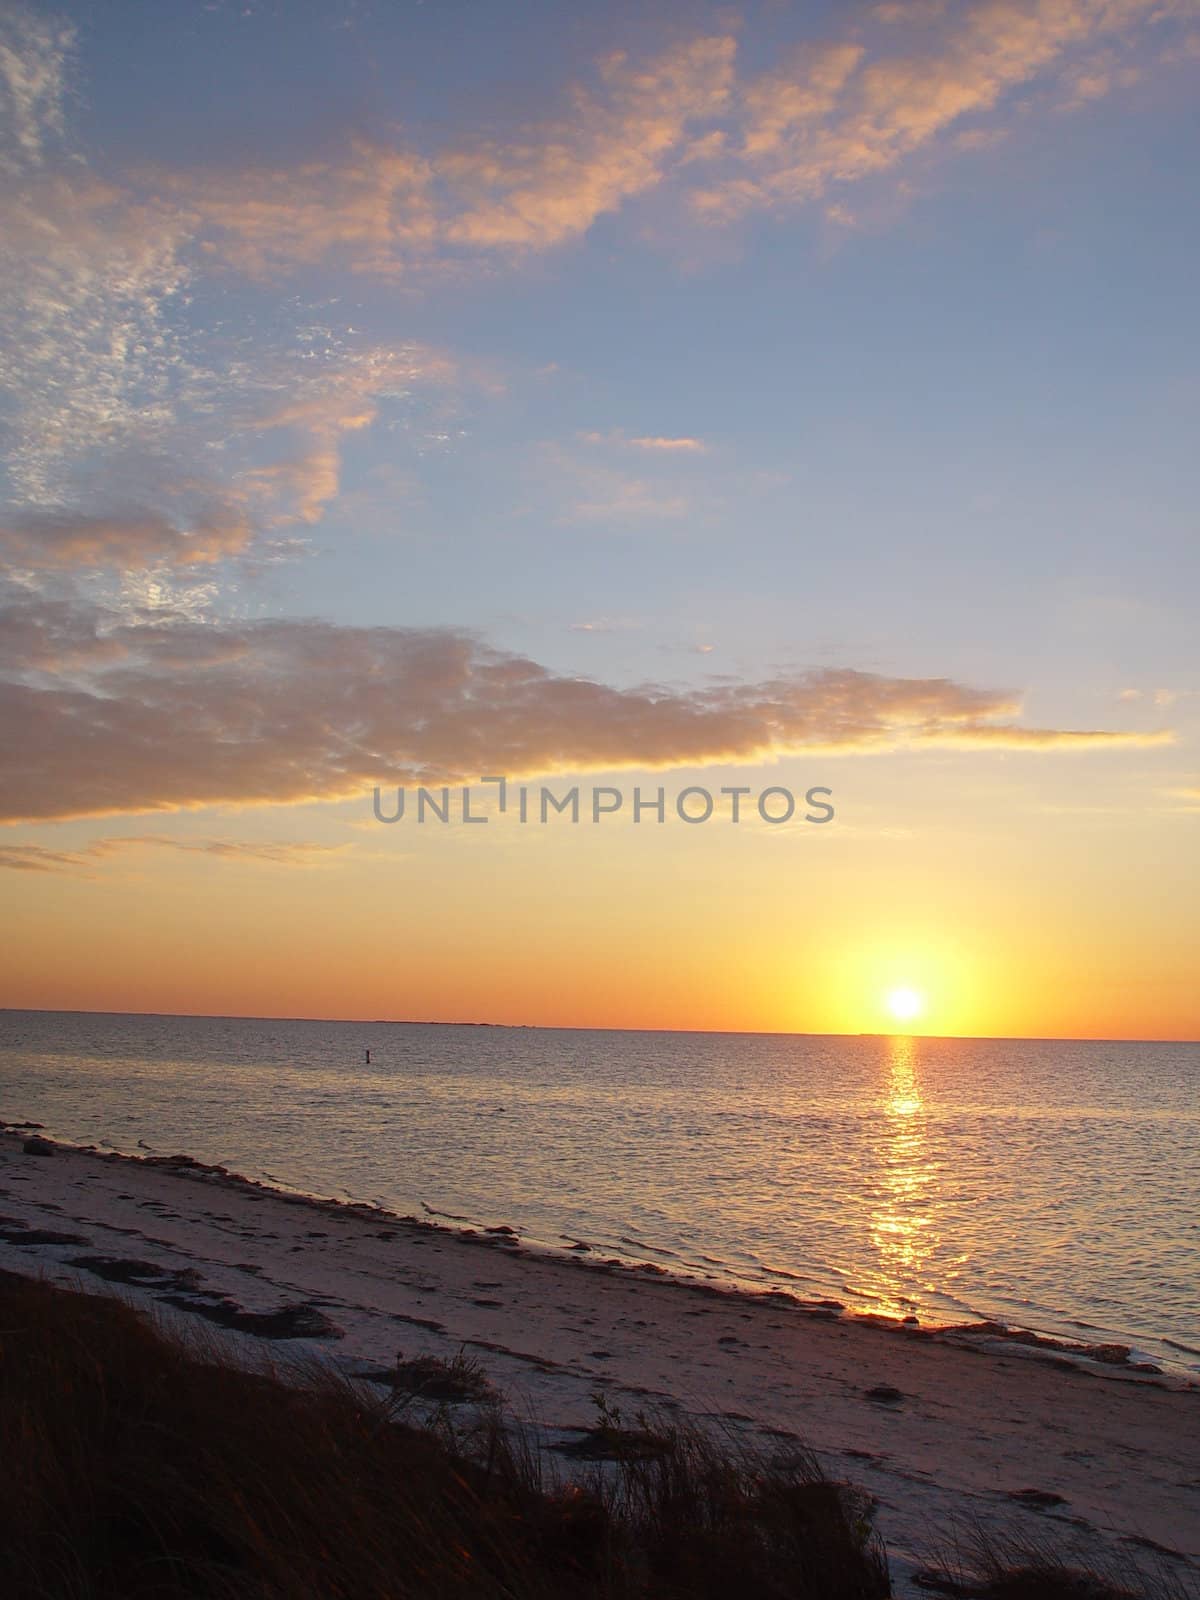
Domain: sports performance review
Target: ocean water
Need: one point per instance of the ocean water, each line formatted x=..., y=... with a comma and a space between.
x=1050, y=1185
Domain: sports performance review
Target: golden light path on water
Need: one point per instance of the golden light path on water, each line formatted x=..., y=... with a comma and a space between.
x=901, y=1228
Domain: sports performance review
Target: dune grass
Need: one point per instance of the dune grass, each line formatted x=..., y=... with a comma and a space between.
x=983, y=1566
x=140, y=1464
x=135, y=1464
x=460, y=1380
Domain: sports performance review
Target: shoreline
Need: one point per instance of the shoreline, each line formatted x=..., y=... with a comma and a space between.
x=771, y=1166
x=973, y=1426
x=1106, y=1358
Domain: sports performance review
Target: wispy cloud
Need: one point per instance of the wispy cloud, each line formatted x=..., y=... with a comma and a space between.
x=317, y=405
x=1094, y=78
x=213, y=467
x=153, y=718
x=40, y=858
x=125, y=447
x=833, y=113
x=843, y=112
x=686, y=446
x=34, y=56
x=668, y=443
x=1159, y=697
x=553, y=180
x=589, y=487
x=605, y=495
x=98, y=271
x=87, y=282
x=386, y=209
x=605, y=625
x=36, y=858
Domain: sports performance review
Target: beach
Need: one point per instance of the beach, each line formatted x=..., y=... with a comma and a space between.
x=948, y=1430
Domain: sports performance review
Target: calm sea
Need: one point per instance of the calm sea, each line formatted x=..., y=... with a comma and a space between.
x=1050, y=1185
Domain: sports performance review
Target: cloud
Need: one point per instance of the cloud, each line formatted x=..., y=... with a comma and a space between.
x=35, y=858
x=386, y=209
x=1159, y=697
x=371, y=208
x=832, y=113
x=835, y=111
x=617, y=438
x=277, y=852
x=40, y=635
x=588, y=490
x=87, y=280
x=551, y=183
x=38, y=858
x=209, y=472
x=604, y=625
x=839, y=113
x=124, y=446
x=156, y=718
x=779, y=103
x=138, y=539
x=34, y=55
x=1188, y=800
x=98, y=272
x=608, y=496
x=687, y=446
x=321, y=404
x=1094, y=79
x=111, y=399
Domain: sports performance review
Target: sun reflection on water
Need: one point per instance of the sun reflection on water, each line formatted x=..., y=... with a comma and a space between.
x=901, y=1221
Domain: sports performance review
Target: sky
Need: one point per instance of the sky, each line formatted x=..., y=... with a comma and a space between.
x=773, y=396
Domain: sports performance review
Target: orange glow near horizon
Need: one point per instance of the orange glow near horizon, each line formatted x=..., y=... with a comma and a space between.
x=697, y=930
x=907, y=979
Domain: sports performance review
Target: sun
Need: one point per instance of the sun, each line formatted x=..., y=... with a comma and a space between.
x=905, y=1004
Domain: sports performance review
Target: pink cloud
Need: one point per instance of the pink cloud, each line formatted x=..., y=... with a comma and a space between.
x=155, y=718
x=839, y=113
x=684, y=446
x=139, y=539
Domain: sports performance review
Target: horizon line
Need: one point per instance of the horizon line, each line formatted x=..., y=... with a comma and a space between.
x=575, y=1027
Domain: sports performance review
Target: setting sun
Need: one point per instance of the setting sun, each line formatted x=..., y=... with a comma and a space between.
x=905, y=1004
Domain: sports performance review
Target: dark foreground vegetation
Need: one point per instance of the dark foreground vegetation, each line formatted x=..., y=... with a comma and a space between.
x=134, y=1464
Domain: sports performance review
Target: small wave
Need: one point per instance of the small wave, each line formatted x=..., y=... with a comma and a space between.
x=789, y=1277
x=450, y=1216
x=654, y=1249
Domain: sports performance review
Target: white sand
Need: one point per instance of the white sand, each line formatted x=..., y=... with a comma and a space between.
x=981, y=1419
